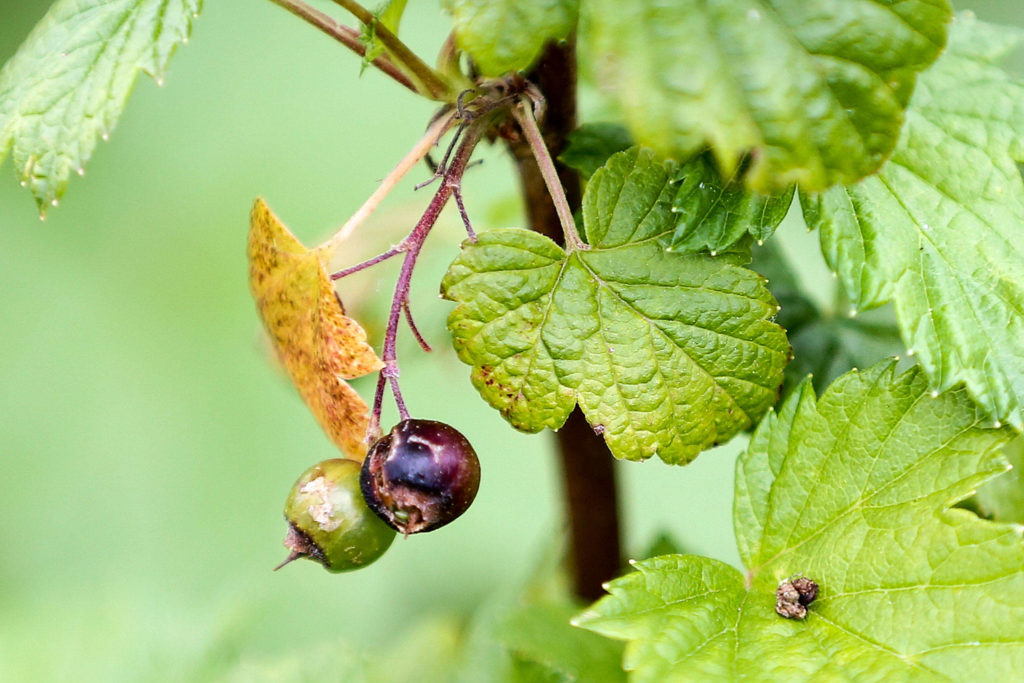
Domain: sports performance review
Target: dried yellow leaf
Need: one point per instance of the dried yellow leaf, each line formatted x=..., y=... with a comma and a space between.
x=319, y=345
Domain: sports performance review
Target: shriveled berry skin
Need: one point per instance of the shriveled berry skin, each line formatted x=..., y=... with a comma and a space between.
x=420, y=476
x=328, y=520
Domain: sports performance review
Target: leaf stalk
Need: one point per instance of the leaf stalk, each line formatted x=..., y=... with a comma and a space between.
x=527, y=121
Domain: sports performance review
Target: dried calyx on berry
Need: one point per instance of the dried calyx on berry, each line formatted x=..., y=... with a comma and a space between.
x=420, y=476
x=328, y=520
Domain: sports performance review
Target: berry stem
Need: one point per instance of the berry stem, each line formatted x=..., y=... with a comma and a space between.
x=393, y=251
x=412, y=326
x=525, y=117
x=437, y=129
x=345, y=35
x=431, y=83
x=450, y=182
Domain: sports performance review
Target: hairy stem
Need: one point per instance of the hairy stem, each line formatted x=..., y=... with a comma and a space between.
x=433, y=85
x=589, y=485
x=524, y=117
x=345, y=35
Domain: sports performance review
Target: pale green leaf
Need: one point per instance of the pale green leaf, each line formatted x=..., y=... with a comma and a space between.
x=939, y=229
x=67, y=84
x=507, y=35
x=504, y=36
x=853, y=491
x=814, y=90
x=666, y=353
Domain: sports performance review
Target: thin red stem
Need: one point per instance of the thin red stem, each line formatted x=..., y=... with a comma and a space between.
x=412, y=326
x=393, y=251
x=414, y=243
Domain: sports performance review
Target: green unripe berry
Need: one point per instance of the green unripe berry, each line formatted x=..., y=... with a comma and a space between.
x=328, y=520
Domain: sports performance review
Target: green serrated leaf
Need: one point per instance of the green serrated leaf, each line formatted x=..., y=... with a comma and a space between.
x=853, y=491
x=665, y=353
x=815, y=90
x=67, y=84
x=715, y=213
x=712, y=213
x=938, y=229
x=507, y=35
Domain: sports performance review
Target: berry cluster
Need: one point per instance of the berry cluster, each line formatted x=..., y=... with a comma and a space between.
x=420, y=476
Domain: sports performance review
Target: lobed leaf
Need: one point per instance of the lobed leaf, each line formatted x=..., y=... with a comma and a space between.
x=852, y=490
x=504, y=36
x=69, y=81
x=813, y=90
x=665, y=353
x=319, y=345
x=938, y=229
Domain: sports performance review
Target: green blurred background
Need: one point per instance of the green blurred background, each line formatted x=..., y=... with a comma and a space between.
x=147, y=439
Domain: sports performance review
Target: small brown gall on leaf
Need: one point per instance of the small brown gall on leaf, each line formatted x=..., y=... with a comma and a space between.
x=793, y=595
x=807, y=589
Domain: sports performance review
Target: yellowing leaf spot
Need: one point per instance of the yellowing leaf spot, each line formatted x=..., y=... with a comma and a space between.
x=319, y=345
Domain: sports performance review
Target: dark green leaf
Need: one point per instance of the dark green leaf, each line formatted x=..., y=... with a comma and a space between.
x=853, y=491
x=666, y=353
x=715, y=214
x=938, y=230
x=69, y=81
x=825, y=344
x=815, y=91
x=591, y=145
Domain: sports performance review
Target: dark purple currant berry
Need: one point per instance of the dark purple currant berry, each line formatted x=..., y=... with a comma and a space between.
x=420, y=476
x=328, y=520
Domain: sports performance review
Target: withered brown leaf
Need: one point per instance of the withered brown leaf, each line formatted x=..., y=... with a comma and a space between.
x=319, y=345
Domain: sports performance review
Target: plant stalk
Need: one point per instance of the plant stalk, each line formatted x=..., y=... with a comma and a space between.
x=588, y=474
x=433, y=85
